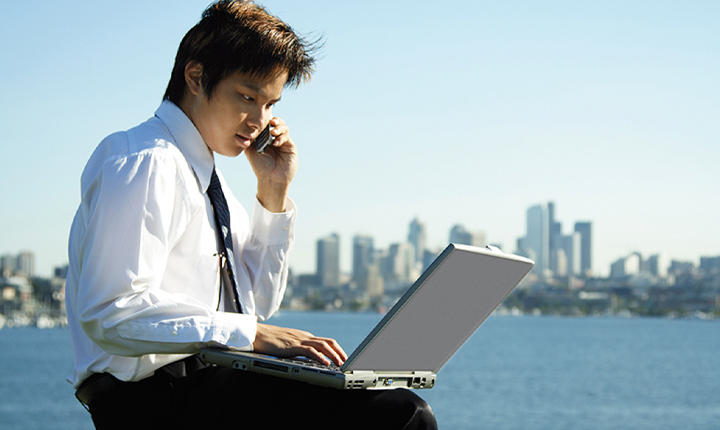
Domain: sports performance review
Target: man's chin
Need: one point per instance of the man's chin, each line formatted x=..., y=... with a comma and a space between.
x=230, y=152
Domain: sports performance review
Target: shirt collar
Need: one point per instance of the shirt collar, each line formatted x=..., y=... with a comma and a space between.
x=188, y=140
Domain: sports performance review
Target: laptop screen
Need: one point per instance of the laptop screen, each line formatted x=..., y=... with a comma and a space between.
x=440, y=311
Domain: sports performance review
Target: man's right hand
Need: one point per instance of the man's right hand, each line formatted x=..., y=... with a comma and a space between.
x=289, y=342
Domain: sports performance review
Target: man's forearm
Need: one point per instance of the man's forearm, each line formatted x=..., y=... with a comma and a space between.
x=273, y=197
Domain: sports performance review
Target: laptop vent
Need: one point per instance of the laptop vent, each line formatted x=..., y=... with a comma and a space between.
x=355, y=384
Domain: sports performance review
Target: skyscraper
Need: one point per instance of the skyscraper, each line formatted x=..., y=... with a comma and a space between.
x=400, y=267
x=8, y=263
x=627, y=266
x=458, y=234
x=328, y=261
x=585, y=230
x=363, y=257
x=709, y=264
x=418, y=237
x=555, y=239
x=537, y=238
x=656, y=265
x=26, y=264
x=570, y=247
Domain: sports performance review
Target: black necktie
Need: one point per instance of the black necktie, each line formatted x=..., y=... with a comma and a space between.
x=222, y=220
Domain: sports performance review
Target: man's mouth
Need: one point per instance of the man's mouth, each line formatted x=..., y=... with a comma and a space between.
x=244, y=141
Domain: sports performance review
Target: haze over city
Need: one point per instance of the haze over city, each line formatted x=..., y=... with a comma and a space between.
x=456, y=113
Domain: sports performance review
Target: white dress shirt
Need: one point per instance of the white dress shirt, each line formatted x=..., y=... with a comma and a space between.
x=144, y=280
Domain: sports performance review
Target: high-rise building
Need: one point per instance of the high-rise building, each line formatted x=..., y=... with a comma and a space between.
x=570, y=248
x=61, y=271
x=556, y=254
x=656, y=265
x=679, y=268
x=428, y=258
x=366, y=266
x=710, y=264
x=400, y=266
x=585, y=230
x=363, y=257
x=633, y=264
x=627, y=266
x=555, y=238
x=537, y=238
x=418, y=237
x=8, y=263
x=458, y=234
x=26, y=264
x=617, y=268
x=328, y=261
x=363, y=253
x=374, y=284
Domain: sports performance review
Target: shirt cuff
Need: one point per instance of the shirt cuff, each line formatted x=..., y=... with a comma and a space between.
x=237, y=330
x=273, y=228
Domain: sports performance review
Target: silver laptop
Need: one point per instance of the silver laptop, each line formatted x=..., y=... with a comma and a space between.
x=415, y=339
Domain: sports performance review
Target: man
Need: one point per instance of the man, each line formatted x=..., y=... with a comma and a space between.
x=165, y=261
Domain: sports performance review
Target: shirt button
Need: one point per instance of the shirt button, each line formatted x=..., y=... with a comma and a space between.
x=173, y=334
x=286, y=228
x=233, y=338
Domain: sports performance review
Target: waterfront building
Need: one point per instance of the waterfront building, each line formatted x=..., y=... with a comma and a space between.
x=569, y=247
x=617, y=268
x=328, y=261
x=554, y=253
x=710, y=264
x=399, y=266
x=633, y=264
x=374, y=283
x=626, y=266
x=537, y=238
x=584, y=228
x=22, y=264
x=8, y=262
x=656, y=265
x=418, y=237
x=555, y=241
x=363, y=255
x=681, y=267
x=15, y=289
x=366, y=267
x=458, y=234
x=26, y=264
x=428, y=257
x=61, y=271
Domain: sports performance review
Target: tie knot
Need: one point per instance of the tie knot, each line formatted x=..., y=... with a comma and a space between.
x=214, y=181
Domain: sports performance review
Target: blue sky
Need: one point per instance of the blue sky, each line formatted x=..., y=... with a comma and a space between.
x=455, y=112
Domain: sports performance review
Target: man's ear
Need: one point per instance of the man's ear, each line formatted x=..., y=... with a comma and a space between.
x=193, y=77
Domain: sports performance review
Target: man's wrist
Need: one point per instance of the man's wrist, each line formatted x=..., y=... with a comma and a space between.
x=273, y=197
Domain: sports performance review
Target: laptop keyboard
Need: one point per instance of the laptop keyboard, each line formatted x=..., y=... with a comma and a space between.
x=311, y=363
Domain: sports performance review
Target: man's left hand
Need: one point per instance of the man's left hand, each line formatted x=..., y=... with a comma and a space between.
x=275, y=168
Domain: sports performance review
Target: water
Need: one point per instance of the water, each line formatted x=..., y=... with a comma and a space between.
x=527, y=373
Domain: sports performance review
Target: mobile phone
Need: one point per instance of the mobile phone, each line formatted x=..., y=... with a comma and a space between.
x=264, y=139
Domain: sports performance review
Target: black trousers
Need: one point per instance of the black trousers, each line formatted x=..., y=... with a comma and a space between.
x=230, y=398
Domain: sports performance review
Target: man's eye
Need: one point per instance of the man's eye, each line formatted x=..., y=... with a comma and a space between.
x=247, y=98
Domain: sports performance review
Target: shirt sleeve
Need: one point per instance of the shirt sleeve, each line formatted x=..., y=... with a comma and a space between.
x=134, y=212
x=265, y=255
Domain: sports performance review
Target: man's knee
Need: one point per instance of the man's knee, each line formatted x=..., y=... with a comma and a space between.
x=423, y=417
x=403, y=409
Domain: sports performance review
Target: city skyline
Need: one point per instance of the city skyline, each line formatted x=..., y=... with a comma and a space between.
x=415, y=111
x=329, y=249
x=578, y=243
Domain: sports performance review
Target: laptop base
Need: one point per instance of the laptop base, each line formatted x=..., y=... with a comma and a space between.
x=314, y=373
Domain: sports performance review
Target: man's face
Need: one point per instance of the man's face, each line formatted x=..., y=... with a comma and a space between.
x=239, y=109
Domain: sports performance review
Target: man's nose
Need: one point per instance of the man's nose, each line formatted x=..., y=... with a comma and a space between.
x=259, y=118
